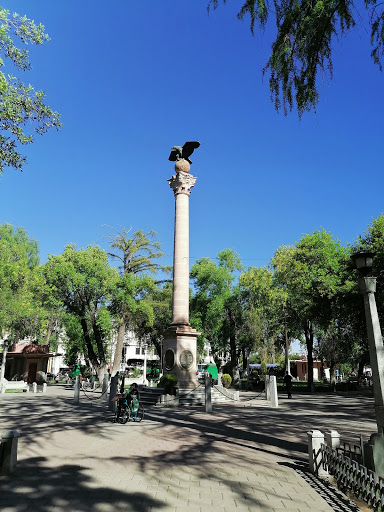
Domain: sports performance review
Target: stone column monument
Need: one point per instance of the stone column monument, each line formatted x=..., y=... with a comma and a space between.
x=179, y=346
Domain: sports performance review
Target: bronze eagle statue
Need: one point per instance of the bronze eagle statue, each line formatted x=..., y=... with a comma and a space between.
x=179, y=152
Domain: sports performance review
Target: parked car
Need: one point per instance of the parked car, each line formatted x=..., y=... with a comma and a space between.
x=200, y=371
x=207, y=368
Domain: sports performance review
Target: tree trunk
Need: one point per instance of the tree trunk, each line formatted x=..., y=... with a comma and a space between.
x=98, y=339
x=287, y=345
x=245, y=358
x=332, y=371
x=309, y=342
x=88, y=343
x=233, y=348
x=119, y=347
x=101, y=370
x=360, y=370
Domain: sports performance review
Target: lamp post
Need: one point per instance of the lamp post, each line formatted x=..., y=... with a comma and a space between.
x=367, y=284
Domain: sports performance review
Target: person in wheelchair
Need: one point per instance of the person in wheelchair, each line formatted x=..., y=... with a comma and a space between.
x=131, y=397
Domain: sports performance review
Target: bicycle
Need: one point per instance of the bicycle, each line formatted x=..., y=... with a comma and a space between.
x=129, y=412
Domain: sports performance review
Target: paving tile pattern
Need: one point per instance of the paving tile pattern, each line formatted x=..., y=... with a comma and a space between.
x=74, y=459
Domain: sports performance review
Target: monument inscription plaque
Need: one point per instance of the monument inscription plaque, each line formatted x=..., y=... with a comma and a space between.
x=186, y=359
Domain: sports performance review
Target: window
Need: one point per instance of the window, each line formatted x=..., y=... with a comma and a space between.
x=137, y=350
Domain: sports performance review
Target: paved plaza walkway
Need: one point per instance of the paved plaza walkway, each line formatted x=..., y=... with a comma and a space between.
x=243, y=457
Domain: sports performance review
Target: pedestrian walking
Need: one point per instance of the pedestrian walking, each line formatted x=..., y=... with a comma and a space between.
x=288, y=384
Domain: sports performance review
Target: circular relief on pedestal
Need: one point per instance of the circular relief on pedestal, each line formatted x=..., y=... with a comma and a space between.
x=186, y=359
x=169, y=359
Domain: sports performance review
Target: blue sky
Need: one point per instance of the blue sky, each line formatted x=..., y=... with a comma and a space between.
x=132, y=81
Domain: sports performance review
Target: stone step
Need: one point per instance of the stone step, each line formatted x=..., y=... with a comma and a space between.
x=197, y=396
x=151, y=396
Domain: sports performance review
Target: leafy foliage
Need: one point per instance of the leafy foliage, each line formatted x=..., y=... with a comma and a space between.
x=302, y=49
x=22, y=287
x=135, y=298
x=313, y=274
x=216, y=303
x=226, y=380
x=84, y=283
x=168, y=382
x=21, y=106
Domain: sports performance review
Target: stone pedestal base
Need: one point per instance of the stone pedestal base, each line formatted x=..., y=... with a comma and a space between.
x=179, y=353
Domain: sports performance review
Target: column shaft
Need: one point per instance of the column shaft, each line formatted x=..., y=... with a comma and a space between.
x=180, y=303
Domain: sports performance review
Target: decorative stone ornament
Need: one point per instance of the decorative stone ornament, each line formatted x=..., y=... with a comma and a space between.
x=169, y=359
x=186, y=359
x=182, y=166
x=182, y=183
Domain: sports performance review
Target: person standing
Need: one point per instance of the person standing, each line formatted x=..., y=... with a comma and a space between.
x=288, y=384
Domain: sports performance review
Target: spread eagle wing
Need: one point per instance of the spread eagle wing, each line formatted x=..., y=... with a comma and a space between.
x=189, y=148
x=176, y=152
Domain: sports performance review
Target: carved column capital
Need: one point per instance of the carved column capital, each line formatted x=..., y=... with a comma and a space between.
x=182, y=183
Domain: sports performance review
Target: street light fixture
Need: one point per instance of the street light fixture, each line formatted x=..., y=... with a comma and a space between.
x=367, y=285
x=363, y=260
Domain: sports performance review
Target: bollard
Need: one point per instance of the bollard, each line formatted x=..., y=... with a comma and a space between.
x=315, y=440
x=208, y=389
x=34, y=385
x=273, y=391
x=44, y=387
x=8, y=451
x=76, y=398
x=332, y=439
x=112, y=406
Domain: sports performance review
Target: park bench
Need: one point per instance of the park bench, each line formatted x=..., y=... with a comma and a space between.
x=14, y=385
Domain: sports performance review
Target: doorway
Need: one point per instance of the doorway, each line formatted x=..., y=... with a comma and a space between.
x=32, y=371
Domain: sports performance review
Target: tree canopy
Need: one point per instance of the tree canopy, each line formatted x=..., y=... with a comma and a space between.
x=22, y=286
x=216, y=302
x=134, y=300
x=22, y=109
x=302, y=49
x=84, y=283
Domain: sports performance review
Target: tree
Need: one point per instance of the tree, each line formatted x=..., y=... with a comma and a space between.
x=267, y=300
x=137, y=256
x=313, y=274
x=20, y=104
x=160, y=299
x=84, y=284
x=373, y=239
x=302, y=49
x=217, y=299
x=22, y=286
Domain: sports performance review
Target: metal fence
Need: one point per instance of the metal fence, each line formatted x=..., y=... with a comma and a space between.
x=352, y=475
x=352, y=450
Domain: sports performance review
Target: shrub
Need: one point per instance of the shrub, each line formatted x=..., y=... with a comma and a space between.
x=226, y=380
x=41, y=377
x=168, y=382
x=347, y=386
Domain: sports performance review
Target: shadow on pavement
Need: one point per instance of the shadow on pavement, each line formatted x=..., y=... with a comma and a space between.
x=335, y=499
x=36, y=488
